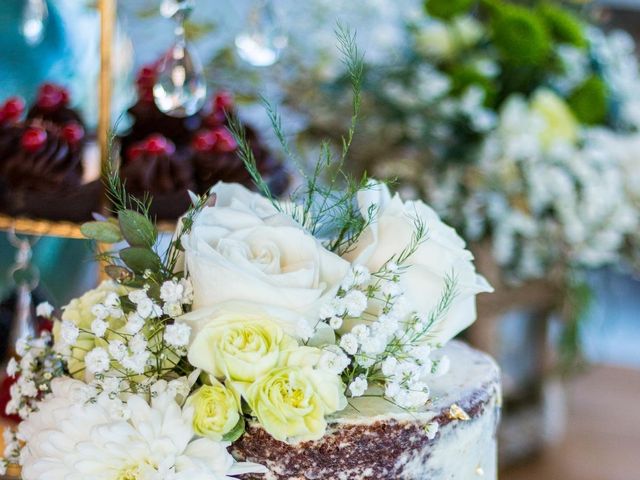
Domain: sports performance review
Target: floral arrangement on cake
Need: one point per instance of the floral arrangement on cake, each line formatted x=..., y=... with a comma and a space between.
x=259, y=310
x=515, y=121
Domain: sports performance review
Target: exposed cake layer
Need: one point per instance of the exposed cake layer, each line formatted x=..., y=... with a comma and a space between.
x=373, y=439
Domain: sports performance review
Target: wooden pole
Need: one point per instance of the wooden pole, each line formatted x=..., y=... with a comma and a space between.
x=107, y=25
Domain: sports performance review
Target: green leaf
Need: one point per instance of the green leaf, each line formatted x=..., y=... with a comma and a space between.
x=236, y=432
x=118, y=273
x=137, y=229
x=141, y=259
x=105, y=232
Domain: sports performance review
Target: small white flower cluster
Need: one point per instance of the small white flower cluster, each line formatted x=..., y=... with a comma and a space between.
x=145, y=340
x=37, y=365
x=12, y=447
x=386, y=345
x=176, y=294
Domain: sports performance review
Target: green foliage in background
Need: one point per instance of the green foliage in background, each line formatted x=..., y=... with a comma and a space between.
x=520, y=36
x=447, y=9
x=590, y=101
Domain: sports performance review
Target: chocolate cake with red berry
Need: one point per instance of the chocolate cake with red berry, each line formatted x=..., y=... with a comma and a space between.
x=154, y=166
x=41, y=160
x=167, y=156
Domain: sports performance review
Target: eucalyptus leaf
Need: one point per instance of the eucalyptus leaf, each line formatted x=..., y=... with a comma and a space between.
x=141, y=259
x=236, y=432
x=105, y=232
x=137, y=229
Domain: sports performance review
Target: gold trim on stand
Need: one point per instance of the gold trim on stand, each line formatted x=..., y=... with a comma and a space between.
x=40, y=228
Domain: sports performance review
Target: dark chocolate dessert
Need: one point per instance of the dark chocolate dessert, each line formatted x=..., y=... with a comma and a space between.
x=154, y=166
x=52, y=105
x=10, y=113
x=41, y=169
x=47, y=158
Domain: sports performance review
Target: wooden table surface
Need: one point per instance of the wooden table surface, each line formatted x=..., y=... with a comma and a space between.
x=603, y=434
x=603, y=431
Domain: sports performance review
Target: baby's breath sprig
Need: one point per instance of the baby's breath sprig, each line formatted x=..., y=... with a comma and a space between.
x=388, y=346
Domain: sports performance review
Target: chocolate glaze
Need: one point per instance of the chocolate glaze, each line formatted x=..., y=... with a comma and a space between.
x=214, y=166
x=55, y=166
x=158, y=173
x=147, y=119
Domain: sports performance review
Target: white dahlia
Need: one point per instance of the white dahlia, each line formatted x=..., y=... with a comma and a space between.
x=69, y=438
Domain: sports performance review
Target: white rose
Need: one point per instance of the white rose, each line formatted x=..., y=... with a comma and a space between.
x=441, y=255
x=244, y=250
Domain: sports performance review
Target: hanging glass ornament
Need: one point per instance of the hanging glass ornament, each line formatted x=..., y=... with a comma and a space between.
x=262, y=42
x=180, y=89
x=34, y=19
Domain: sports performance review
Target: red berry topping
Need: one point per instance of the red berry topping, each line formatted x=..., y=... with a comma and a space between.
x=223, y=101
x=135, y=151
x=73, y=133
x=33, y=139
x=11, y=110
x=52, y=96
x=225, y=141
x=158, y=145
x=145, y=81
x=205, y=141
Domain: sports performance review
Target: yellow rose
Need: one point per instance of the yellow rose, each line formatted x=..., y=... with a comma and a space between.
x=238, y=346
x=78, y=310
x=560, y=124
x=328, y=385
x=287, y=405
x=291, y=402
x=215, y=410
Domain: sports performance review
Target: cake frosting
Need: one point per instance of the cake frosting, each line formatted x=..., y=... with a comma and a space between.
x=46, y=158
x=373, y=439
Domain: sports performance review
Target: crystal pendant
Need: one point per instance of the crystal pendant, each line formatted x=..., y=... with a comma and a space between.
x=180, y=89
x=263, y=41
x=34, y=18
x=176, y=8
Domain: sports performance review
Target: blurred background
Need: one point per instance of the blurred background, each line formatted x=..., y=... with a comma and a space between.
x=518, y=121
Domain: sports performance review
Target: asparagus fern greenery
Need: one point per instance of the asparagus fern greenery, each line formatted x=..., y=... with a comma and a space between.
x=316, y=204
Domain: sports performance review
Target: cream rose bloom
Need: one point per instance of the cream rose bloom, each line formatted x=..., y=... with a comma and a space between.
x=244, y=250
x=441, y=255
x=238, y=342
x=291, y=402
x=215, y=410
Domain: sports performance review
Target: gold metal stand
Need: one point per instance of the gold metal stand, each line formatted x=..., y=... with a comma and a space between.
x=107, y=27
